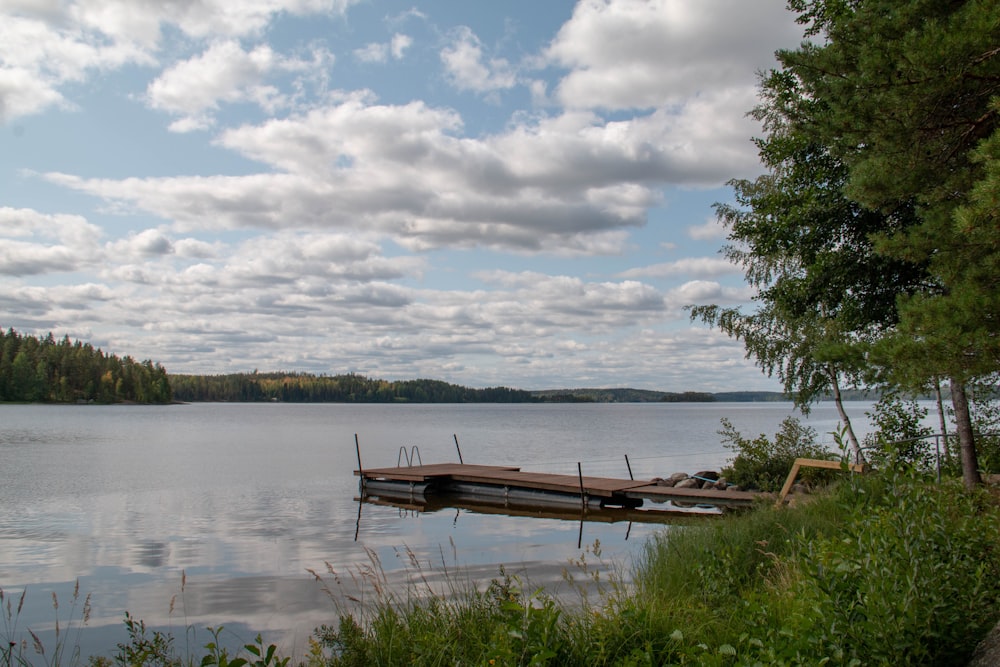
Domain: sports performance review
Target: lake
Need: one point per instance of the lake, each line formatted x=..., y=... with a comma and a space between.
x=189, y=516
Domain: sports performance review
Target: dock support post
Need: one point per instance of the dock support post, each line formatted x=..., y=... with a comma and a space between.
x=361, y=471
x=583, y=494
x=629, y=466
x=455, y=435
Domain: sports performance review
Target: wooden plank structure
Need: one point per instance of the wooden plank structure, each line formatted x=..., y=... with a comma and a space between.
x=546, y=488
x=814, y=463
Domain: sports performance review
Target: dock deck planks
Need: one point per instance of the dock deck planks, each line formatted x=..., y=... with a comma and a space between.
x=513, y=477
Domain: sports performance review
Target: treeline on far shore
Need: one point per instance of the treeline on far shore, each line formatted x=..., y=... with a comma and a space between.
x=62, y=371
x=291, y=387
x=346, y=388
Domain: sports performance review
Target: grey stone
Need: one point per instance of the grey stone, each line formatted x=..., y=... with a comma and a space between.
x=688, y=483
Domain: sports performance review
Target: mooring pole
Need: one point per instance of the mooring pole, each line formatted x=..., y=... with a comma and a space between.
x=583, y=494
x=629, y=465
x=454, y=435
x=361, y=471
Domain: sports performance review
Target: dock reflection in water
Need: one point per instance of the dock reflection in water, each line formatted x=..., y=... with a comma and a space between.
x=669, y=513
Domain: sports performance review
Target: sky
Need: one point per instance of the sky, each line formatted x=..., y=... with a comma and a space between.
x=514, y=193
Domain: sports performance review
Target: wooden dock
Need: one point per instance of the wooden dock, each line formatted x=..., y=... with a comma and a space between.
x=510, y=483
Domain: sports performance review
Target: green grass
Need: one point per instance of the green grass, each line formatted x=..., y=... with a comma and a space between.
x=877, y=571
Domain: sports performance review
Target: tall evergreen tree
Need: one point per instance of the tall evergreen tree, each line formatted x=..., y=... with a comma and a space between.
x=904, y=94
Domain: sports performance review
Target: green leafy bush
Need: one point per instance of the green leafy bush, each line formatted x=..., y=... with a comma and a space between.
x=764, y=464
x=985, y=408
x=900, y=440
x=908, y=582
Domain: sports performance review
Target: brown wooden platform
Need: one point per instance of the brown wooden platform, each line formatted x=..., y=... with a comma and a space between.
x=440, y=476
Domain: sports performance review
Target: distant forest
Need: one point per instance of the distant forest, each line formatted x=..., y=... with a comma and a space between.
x=354, y=388
x=46, y=370
x=349, y=388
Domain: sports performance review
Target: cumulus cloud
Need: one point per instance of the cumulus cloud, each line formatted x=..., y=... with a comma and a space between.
x=711, y=230
x=22, y=94
x=708, y=291
x=373, y=52
x=469, y=69
x=225, y=72
x=402, y=170
x=379, y=52
x=627, y=54
x=45, y=46
x=701, y=267
x=33, y=243
x=399, y=44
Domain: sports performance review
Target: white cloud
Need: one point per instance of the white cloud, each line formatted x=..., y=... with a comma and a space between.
x=33, y=243
x=379, y=52
x=37, y=58
x=373, y=52
x=44, y=46
x=147, y=243
x=465, y=66
x=625, y=54
x=701, y=267
x=22, y=94
x=143, y=19
x=711, y=230
x=225, y=72
x=400, y=43
x=697, y=292
x=567, y=183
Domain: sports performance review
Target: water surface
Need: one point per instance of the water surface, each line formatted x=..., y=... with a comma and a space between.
x=242, y=501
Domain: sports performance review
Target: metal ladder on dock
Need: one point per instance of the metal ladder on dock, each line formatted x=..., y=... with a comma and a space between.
x=409, y=457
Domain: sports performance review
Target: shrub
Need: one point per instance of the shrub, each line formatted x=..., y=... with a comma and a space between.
x=764, y=464
x=912, y=578
x=899, y=440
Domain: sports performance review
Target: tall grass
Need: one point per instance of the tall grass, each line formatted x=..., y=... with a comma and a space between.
x=878, y=571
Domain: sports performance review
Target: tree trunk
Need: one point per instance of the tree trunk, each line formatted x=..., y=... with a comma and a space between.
x=943, y=422
x=844, y=419
x=966, y=439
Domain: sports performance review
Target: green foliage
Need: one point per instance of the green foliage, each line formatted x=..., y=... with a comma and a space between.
x=899, y=441
x=43, y=369
x=872, y=238
x=764, y=464
x=880, y=570
x=985, y=408
x=909, y=580
x=155, y=648
x=499, y=626
x=885, y=571
x=347, y=388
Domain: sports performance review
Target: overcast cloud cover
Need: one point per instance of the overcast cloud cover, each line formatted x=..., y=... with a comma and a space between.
x=486, y=193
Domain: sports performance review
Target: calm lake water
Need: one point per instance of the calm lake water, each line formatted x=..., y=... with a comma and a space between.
x=240, y=501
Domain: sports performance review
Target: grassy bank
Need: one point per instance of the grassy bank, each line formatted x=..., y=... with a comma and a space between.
x=878, y=571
